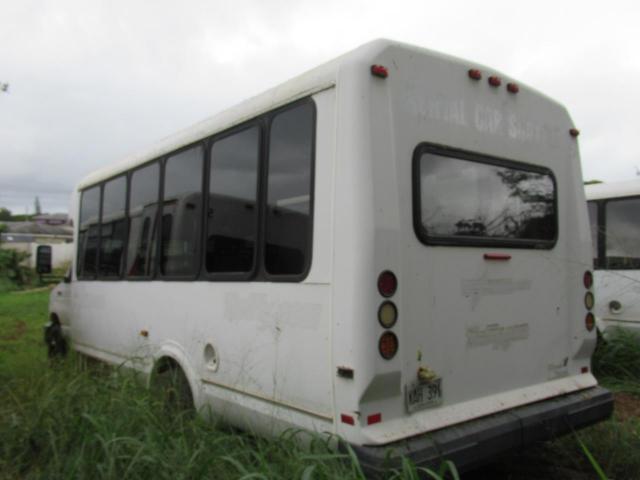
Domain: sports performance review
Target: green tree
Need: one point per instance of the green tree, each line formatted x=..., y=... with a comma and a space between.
x=5, y=214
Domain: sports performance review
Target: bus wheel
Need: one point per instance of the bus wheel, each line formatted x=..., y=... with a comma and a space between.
x=172, y=387
x=56, y=344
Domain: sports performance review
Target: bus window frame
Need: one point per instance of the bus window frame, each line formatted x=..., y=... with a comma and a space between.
x=603, y=259
x=259, y=273
x=78, y=252
x=152, y=259
x=123, y=258
x=469, y=241
x=198, y=261
x=252, y=274
x=269, y=117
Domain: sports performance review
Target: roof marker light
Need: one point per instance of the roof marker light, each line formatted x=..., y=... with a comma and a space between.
x=513, y=88
x=495, y=81
x=574, y=132
x=475, y=74
x=379, y=71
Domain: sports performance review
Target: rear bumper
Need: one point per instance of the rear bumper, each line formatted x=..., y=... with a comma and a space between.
x=476, y=442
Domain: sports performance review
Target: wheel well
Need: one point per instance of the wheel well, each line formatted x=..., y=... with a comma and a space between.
x=168, y=376
x=165, y=364
x=53, y=317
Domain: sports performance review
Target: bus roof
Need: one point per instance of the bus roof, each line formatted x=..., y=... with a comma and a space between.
x=313, y=81
x=598, y=191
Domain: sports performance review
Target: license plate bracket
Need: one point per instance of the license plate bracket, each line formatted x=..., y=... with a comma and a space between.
x=421, y=395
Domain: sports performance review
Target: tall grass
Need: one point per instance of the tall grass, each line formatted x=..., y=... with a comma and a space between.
x=66, y=423
x=61, y=421
x=616, y=360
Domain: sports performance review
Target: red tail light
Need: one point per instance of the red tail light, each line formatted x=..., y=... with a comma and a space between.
x=587, y=279
x=387, y=283
x=388, y=345
x=589, y=321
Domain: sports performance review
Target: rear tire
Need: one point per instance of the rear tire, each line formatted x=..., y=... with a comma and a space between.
x=53, y=338
x=172, y=387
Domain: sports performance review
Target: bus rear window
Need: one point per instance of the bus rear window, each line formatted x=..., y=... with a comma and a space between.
x=467, y=199
x=622, y=232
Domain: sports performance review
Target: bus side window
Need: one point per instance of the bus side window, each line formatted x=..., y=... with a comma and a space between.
x=183, y=202
x=113, y=227
x=143, y=205
x=288, y=222
x=592, y=208
x=88, y=233
x=623, y=230
x=232, y=214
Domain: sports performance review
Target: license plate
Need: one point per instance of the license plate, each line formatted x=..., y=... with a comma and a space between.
x=423, y=395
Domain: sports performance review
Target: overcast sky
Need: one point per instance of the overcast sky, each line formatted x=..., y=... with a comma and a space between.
x=93, y=81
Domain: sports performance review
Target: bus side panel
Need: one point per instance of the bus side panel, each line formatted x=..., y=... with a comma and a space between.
x=261, y=351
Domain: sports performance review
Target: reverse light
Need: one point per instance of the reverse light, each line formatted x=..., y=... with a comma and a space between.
x=388, y=345
x=387, y=283
x=589, y=321
x=589, y=300
x=387, y=314
x=587, y=279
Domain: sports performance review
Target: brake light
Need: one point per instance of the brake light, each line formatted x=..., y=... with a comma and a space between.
x=587, y=279
x=387, y=283
x=388, y=345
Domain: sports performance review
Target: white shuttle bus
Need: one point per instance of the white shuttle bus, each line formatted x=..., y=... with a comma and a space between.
x=614, y=213
x=392, y=247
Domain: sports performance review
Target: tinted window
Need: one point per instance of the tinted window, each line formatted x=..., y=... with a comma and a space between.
x=113, y=228
x=288, y=227
x=182, y=213
x=472, y=202
x=623, y=232
x=88, y=232
x=232, y=214
x=143, y=205
x=592, y=207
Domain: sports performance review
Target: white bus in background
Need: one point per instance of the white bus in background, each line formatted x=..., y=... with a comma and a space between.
x=390, y=247
x=614, y=213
